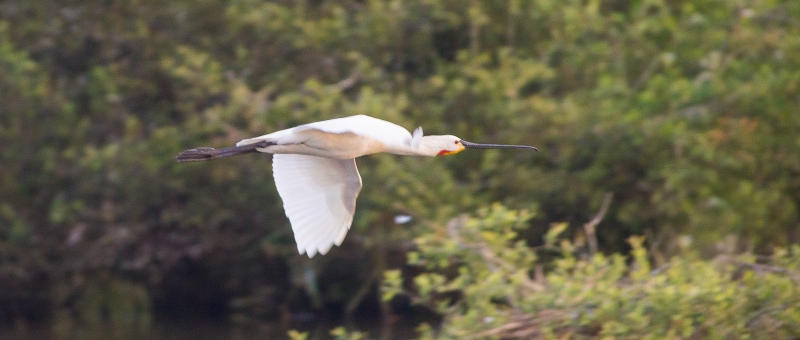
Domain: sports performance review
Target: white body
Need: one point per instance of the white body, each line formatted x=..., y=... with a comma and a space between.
x=340, y=138
x=316, y=176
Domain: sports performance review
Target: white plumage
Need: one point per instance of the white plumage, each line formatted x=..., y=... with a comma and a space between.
x=319, y=197
x=366, y=128
x=315, y=169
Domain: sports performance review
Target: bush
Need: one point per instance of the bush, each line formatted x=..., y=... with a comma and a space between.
x=477, y=276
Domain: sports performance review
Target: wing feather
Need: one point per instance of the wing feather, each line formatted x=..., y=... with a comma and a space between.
x=361, y=125
x=319, y=198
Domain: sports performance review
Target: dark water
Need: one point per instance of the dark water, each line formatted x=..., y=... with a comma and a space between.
x=200, y=330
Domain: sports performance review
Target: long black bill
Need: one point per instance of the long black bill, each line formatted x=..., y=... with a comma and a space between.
x=470, y=145
x=205, y=154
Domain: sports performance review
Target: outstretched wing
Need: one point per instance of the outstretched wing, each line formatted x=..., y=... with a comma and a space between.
x=319, y=198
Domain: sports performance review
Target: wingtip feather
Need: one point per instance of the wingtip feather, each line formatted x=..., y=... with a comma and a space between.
x=196, y=155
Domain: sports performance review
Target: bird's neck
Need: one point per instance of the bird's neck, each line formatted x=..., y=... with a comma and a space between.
x=424, y=148
x=407, y=150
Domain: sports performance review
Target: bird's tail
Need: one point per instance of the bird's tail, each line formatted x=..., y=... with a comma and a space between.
x=205, y=153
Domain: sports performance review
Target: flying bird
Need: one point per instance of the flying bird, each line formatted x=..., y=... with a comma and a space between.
x=315, y=169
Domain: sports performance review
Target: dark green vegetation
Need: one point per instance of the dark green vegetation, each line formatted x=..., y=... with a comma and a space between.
x=687, y=112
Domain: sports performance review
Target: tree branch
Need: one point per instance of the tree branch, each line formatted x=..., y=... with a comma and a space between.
x=591, y=227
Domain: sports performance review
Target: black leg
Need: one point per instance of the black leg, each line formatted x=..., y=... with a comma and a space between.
x=205, y=153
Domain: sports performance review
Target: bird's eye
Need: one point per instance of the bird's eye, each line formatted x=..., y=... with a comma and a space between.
x=457, y=142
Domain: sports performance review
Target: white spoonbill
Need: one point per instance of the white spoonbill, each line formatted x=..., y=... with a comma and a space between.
x=315, y=169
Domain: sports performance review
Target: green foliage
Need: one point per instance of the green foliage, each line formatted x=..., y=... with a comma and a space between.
x=295, y=335
x=685, y=111
x=104, y=300
x=478, y=278
x=340, y=333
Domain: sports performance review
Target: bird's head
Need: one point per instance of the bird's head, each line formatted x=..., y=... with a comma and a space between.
x=441, y=145
x=450, y=145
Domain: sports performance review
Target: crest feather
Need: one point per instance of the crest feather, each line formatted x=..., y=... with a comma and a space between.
x=416, y=137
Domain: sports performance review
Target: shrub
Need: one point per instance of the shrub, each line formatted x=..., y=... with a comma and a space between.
x=484, y=284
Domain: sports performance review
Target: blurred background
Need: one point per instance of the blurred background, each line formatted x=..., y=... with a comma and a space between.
x=678, y=121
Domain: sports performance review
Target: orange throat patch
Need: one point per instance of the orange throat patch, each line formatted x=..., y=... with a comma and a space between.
x=445, y=152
